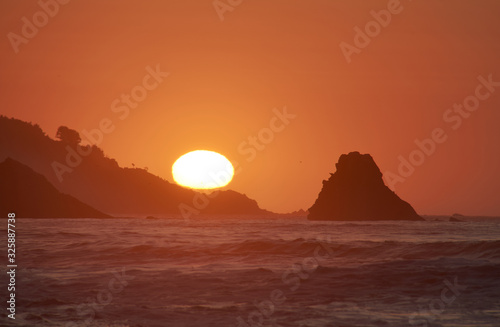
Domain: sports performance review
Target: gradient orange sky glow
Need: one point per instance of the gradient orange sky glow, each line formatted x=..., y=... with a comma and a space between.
x=229, y=80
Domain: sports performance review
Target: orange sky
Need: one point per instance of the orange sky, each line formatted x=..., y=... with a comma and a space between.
x=225, y=78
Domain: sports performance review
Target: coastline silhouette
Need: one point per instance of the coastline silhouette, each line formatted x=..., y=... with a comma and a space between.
x=356, y=191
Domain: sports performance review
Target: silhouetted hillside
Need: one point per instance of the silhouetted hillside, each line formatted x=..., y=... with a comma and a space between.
x=233, y=203
x=30, y=195
x=356, y=191
x=87, y=174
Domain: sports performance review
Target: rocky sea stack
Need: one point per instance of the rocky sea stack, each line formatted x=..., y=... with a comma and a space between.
x=356, y=191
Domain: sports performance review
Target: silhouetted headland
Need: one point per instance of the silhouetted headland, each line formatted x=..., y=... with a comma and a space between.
x=356, y=191
x=30, y=195
x=86, y=173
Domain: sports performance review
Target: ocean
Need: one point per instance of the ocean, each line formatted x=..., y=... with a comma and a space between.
x=243, y=271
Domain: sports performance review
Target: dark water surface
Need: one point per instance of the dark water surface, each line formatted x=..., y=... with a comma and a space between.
x=254, y=272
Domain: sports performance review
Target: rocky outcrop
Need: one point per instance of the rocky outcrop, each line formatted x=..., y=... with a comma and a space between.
x=30, y=195
x=458, y=218
x=356, y=191
x=232, y=202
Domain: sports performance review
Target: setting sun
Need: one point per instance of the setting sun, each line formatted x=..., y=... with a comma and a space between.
x=202, y=169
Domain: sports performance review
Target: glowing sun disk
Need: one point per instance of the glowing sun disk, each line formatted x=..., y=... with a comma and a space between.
x=202, y=169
